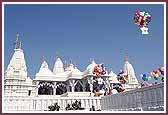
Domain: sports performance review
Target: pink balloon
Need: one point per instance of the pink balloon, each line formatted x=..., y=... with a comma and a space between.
x=152, y=73
x=162, y=68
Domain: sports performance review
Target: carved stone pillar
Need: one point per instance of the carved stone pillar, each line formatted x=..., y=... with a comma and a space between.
x=90, y=81
x=67, y=86
x=37, y=83
x=72, y=83
x=55, y=87
x=83, y=83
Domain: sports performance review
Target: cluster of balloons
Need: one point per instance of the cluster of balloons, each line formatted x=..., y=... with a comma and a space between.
x=99, y=70
x=146, y=77
x=155, y=74
x=142, y=19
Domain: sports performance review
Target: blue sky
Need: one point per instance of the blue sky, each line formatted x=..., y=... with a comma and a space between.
x=83, y=32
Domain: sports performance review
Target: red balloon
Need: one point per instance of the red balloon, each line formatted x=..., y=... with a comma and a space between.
x=155, y=71
x=160, y=69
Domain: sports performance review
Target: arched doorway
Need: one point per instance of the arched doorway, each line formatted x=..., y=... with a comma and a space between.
x=61, y=89
x=45, y=88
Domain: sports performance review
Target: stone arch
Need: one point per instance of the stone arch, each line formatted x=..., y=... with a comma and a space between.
x=61, y=89
x=45, y=88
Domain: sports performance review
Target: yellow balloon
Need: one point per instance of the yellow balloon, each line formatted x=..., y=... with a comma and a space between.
x=149, y=77
x=157, y=75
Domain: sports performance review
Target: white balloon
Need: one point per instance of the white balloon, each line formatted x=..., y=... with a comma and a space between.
x=144, y=30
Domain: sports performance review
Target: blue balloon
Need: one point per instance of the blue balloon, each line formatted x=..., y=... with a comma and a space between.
x=144, y=77
x=162, y=72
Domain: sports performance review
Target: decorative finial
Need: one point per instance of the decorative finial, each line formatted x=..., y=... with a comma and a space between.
x=74, y=64
x=126, y=57
x=65, y=64
x=57, y=55
x=17, y=41
x=43, y=58
x=17, y=35
x=91, y=60
x=109, y=69
x=20, y=45
x=71, y=62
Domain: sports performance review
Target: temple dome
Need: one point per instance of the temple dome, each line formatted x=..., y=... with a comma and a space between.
x=113, y=77
x=129, y=70
x=76, y=70
x=44, y=70
x=58, y=66
x=91, y=66
x=75, y=73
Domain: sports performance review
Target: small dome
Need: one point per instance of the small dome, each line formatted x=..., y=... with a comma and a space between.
x=76, y=70
x=58, y=67
x=113, y=78
x=58, y=63
x=91, y=66
x=113, y=74
x=44, y=69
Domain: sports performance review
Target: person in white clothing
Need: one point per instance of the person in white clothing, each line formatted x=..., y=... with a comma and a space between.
x=114, y=91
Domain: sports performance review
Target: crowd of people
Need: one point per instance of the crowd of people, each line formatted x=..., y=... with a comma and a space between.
x=109, y=91
x=54, y=107
x=74, y=106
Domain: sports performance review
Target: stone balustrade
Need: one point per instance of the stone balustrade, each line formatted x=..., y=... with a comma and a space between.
x=141, y=99
x=77, y=94
x=41, y=103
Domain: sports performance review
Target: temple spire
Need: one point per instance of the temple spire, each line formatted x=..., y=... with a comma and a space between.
x=17, y=63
